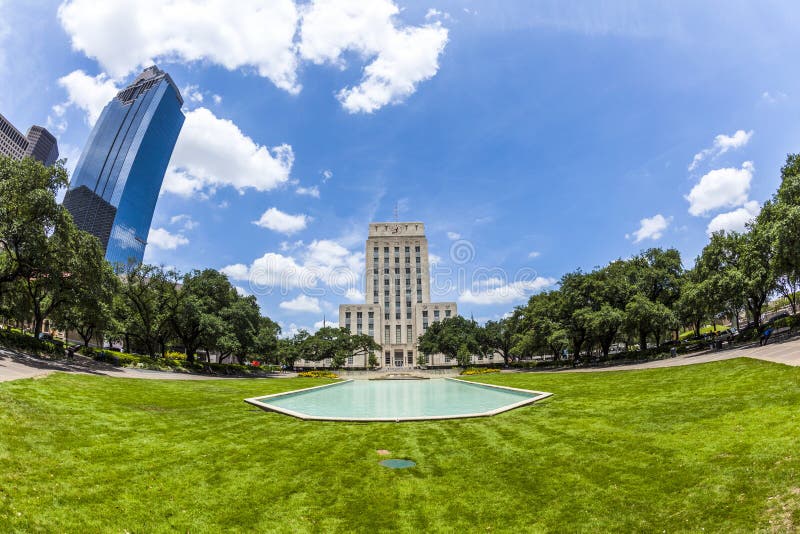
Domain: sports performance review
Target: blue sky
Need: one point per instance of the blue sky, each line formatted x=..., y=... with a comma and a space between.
x=535, y=137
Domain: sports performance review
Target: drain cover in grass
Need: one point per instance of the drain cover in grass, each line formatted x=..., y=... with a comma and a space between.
x=397, y=464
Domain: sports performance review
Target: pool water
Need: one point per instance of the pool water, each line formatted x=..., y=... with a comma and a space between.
x=392, y=400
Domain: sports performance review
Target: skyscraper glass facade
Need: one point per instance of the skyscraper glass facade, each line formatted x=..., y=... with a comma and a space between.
x=115, y=185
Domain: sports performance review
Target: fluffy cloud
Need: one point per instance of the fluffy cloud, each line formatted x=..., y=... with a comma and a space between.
x=721, y=188
x=89, y=93
x=210, y=152
x=278, y=221
x=126, y=35
x=310, y=266
x=505, y=293
x=403, y=56
x=213, y=153
x=534, y=254
x=453, y=236
x=722, y=143
x=651, y=228
x=736, y=220
x=163, y=239
x=302, y=304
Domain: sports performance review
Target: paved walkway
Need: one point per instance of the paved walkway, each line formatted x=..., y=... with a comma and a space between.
x=786, y=352
x=14, y=365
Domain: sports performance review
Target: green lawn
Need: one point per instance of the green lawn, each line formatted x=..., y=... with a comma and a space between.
x=713, y=446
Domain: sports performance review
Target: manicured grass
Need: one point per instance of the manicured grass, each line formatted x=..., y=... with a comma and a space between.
x=711, y=446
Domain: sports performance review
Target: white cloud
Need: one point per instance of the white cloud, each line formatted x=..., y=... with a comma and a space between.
x=126, y=35
x=736, y=220
x=506, y=294
x=354, y=295
x=312, y=191
x=434, y=259
x=453, y=235
x=278, y=221
x=217, y=99
x=722, y=143
x=302, y=304
x=436, y=14
x=327, y=174
x=721, y=188
x=191, y=93
x=651, y=228
x=89, y=93
x=185, y=221
x=213, y=152
x=403, y=56
x=320, y=262
x=210, y=152
x=163, y=239
x=534, y=254
x=238, y=271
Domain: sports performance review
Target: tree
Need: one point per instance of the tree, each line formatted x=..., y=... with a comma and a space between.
x=195, y=307
x=143, y=311
x=646, y=317
x=693, y=305
x=719, y=267
x=575, y=303
x=241, y=320
x=29, y=213
x=453, y=337
x=497, y=337
x=539, y=330
x=89, y=308
x=336, y=345
x=66, y=258
x=780, y=218
x=603, y=325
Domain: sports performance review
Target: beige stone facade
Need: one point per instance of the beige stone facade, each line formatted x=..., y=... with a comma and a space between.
x=398, y=306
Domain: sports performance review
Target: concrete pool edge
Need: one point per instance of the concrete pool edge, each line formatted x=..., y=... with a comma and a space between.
x=266, y=406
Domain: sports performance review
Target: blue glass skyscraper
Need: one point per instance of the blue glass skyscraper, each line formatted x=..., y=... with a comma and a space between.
x=115, y=186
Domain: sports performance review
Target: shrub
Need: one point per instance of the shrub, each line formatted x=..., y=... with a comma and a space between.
x=479, y=370
x=174, y=355
x=317, y=374
x=14, y=339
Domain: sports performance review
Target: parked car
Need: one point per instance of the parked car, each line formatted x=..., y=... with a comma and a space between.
x=45, y=336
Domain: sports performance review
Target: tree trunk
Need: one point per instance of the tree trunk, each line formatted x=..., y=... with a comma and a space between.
x=642, y=341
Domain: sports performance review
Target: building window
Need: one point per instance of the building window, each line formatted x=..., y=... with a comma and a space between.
x=447, y=313
x=410, y=358
x=388, y=359
x=398, y=358
x=398, y=335
x=409, y=336
x=349, y=360
x=387, y=332
x=407, y=250
x=416, y=249
x=435, y=315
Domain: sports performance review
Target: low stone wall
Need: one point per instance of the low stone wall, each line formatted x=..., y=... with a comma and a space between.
x=370, y=375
